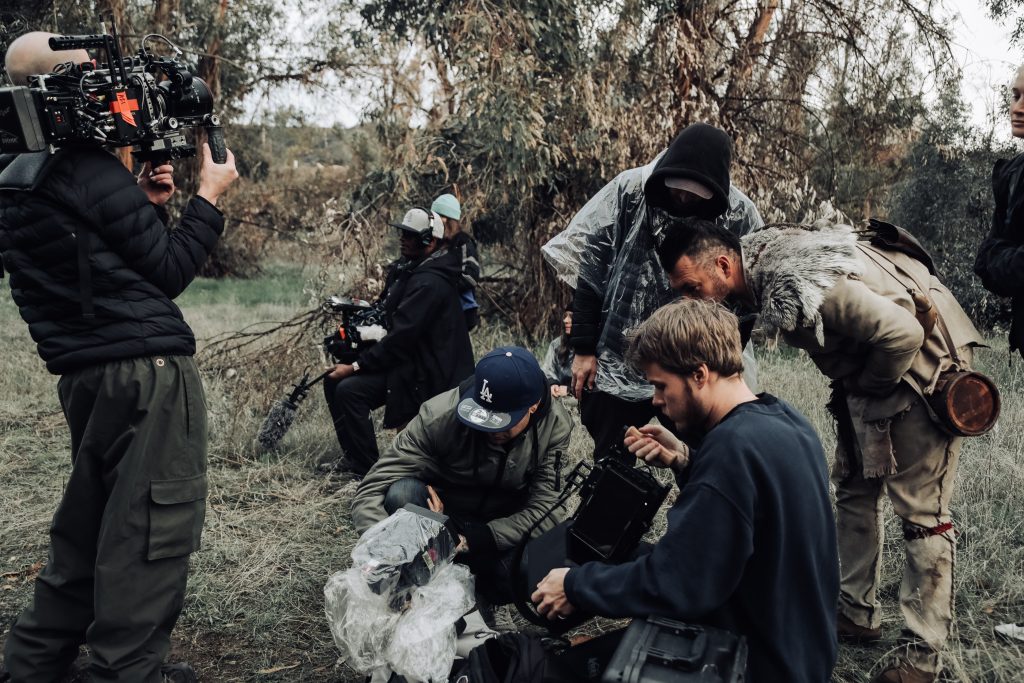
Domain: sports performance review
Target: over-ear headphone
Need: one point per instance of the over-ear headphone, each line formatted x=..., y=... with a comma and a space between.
x=427, y=235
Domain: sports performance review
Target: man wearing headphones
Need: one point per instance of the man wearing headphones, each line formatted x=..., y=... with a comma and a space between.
x=426, y=350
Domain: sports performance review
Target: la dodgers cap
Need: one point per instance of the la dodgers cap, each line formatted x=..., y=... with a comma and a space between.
x=508, y=381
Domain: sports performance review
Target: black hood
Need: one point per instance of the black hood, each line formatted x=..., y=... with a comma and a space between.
x=702, y=153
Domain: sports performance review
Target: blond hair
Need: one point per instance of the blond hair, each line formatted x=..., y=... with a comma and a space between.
x=685, y=334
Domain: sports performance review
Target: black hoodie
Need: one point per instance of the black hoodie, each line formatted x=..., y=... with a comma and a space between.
x=427, y=349
x=702, y=153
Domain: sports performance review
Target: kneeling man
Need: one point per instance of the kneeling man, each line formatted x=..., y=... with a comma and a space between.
x=486, y=454
x=750, y=545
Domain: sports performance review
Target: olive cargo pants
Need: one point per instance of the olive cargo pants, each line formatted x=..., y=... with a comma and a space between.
x=131, y=513
x=920, y=491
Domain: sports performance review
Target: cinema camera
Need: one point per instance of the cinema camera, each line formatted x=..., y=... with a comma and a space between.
x=362, y=325
x=146, y=102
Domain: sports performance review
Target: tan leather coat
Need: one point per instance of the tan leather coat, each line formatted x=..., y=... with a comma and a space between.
x=872, y=339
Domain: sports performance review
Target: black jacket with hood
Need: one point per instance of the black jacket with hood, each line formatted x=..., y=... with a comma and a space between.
x=1000, y=261
x=136, y=266
x=700, y=152
x=427, y=348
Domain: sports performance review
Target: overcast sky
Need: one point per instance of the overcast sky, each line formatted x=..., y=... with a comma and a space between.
x=988, y=60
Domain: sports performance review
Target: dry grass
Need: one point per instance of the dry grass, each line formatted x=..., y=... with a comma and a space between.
x=275, y=530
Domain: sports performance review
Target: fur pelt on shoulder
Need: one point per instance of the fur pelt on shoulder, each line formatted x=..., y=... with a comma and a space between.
x=790, y=268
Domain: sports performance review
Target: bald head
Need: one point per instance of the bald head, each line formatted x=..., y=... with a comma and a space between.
x=30, y=54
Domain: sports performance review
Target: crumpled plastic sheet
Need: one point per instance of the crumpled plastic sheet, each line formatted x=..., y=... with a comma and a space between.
x=423, y=644
x=610, y=246
x=401, y=552
x=373, y=624
x=361, y=621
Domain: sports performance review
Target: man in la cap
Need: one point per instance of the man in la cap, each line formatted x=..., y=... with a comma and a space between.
x=607, y=255
x=425, y=351
x=487, y=454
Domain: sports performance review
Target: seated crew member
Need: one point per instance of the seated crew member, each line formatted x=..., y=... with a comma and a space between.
x=487, y=455
x=751, y=544
x=858, y=312
x=426, y=350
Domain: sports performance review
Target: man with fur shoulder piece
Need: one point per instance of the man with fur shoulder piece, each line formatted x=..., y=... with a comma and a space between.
x=425, y=351
x=859, y=312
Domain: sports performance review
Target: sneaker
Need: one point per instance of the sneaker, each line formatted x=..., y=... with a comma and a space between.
x=905, y=673
x=181, y=672
x=850, y=632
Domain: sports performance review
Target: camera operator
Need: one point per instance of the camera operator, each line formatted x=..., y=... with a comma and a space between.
x=426, y=350
x=751, y=544
x=93, y=270
x=486, y=454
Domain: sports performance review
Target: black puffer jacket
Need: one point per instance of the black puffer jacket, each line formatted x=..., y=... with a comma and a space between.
x=427, y=349
x=136, y=265
x=1000, y=261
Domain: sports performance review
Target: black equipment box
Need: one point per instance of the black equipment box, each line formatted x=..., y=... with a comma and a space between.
x=616, y=509
x=617, y=504
x=660, y=650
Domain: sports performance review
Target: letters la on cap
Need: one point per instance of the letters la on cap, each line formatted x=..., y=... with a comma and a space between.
x=508, y=381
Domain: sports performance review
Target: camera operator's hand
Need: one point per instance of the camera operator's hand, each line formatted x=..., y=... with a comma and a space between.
x=157, y=183
x=550, y=595
x=214, y=178
x=584, y=372
x=341, y=371
x=659, y=447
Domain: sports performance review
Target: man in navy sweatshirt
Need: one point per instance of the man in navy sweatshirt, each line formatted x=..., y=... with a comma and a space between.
x=751, y=544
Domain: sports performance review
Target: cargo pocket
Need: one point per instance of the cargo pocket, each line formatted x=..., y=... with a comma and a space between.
x=176, y=512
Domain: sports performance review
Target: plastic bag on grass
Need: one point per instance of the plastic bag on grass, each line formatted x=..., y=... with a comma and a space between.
x=361, y=621
x=401, y=552
x=386, y=609
x=423, y=643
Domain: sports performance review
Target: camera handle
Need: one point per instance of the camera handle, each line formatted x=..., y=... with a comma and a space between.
x=215, y=136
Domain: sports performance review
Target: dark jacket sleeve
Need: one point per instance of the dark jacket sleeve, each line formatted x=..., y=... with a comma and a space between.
x=691, y=571
x=586, y=319
x=122, y=216
x=422, y=297
x=470, y=264
x=1000, y=260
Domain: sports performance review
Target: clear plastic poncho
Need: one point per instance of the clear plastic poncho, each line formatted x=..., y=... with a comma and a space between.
x=610, y=245
x=395, y=608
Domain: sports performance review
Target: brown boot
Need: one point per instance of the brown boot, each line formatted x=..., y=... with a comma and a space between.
x=905, y=673
x=851, y=632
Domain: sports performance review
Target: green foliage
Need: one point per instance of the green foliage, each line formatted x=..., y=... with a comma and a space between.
x=945, y=198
